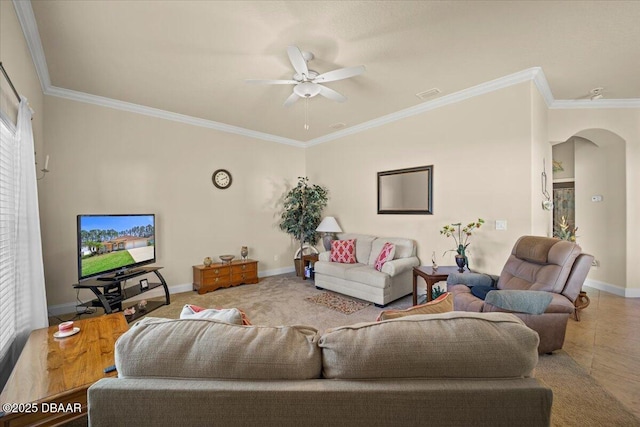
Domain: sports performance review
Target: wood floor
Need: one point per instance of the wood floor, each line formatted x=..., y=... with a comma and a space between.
x=606, y=342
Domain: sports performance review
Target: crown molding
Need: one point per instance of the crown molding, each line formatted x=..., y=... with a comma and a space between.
x=32, y=36
x=167, y=115
x=562, y=104
x=535, y=74
x=481, y=89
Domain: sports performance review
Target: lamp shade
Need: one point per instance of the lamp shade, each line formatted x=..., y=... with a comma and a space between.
x=329, y=225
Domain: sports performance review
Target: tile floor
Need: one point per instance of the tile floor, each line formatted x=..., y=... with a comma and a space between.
x=606, y=342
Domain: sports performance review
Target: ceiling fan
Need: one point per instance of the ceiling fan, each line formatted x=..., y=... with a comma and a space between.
x=308, y=82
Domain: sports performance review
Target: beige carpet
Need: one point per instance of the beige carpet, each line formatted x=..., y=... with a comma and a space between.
x=280, y=300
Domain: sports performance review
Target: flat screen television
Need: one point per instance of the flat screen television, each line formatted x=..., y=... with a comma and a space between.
x=112, y=245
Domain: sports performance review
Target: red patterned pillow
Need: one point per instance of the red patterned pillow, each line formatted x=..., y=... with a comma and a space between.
x=343, y=251
x=386, y=254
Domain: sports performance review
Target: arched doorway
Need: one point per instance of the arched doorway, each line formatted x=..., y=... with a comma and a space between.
x=598, y=187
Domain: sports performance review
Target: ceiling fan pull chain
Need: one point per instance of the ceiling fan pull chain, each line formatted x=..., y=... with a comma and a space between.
x=306, y=114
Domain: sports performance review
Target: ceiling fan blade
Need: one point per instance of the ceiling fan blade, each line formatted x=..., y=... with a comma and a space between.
x=297, y=60
x=291, y=99
x=339, y=74
x=272, y=82
x=331, y=94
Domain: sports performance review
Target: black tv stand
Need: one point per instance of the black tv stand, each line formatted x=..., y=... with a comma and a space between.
x=120, y=274
x=111, y=292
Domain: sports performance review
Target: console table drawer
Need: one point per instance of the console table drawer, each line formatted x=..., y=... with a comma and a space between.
x=215, y=272
x=243, y=277
x=244, y=268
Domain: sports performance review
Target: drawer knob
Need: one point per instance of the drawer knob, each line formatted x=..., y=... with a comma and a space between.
x=217, y=278
x=244, y=267
x=216, y=271
x=243, y=277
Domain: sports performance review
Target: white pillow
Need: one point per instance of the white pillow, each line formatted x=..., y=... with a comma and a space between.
x=227, y=315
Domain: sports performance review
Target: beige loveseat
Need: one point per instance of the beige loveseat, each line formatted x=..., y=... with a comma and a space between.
x=453, y=369
x=362, y=280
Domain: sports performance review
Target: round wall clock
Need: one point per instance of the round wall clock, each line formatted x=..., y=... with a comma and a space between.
x=221, y=179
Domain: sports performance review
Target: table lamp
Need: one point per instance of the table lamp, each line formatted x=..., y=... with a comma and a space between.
x=328, y=227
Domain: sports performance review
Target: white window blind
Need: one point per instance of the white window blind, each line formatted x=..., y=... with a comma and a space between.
x=9, y=164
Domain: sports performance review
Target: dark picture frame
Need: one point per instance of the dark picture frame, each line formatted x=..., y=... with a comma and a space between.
x=144, y=284
x=406, y=191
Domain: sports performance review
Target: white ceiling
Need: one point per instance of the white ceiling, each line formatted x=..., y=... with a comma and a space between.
x=192, y=57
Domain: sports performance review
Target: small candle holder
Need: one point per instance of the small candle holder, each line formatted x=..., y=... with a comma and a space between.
x=434, y=265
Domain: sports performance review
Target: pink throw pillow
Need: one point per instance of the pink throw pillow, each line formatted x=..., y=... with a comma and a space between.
x=343, y=251
x=386, y=254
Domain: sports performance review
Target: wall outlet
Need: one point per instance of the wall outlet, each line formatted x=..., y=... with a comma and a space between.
x=597, y=198
x=501, y=224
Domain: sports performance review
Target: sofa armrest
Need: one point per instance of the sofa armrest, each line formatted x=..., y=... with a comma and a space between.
x=400, y=265
x=324, y=256
x=472, y=279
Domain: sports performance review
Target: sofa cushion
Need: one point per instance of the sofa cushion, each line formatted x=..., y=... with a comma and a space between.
x=523, y=274
x=368, y=275
x=404, y=248
x=534, y=249
x=442, y=304
x=334, y=269
x=343, y=251
x=448, y=345
x=386, y=254
x=205, y=348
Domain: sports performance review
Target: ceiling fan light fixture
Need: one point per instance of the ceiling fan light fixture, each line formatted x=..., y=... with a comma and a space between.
x=306, y=90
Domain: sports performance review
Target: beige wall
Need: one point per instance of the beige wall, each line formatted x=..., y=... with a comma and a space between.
x=481, y=150
x=625, y=123
x=16, y=59
x=600, y=171
x=110, y=161
x=541, y=161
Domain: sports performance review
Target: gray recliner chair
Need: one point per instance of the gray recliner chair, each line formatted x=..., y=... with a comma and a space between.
x=539, y=283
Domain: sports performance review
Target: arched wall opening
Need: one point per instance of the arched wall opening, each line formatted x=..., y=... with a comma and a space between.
x=597, y=163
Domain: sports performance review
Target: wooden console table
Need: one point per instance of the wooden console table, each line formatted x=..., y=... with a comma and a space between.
x=224, y=275
x=431, y=278
x=50, y=381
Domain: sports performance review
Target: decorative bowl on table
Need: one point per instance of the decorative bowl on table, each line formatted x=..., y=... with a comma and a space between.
x=226, y=259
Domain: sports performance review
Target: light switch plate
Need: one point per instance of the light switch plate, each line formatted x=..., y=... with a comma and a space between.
x=501, y=224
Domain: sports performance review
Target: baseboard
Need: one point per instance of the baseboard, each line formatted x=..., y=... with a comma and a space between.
x=612, y=289
x=70, y=307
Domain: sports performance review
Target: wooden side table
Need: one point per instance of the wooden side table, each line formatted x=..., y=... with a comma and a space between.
x=431, y=278
x=52, y=375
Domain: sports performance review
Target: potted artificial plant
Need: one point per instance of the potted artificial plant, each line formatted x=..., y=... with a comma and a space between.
x=303, y=206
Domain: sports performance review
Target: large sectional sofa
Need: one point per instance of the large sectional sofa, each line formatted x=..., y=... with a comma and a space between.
x=450, y=369
x=362, y=280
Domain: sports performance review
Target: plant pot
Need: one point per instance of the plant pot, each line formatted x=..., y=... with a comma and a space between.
x=460, y=262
